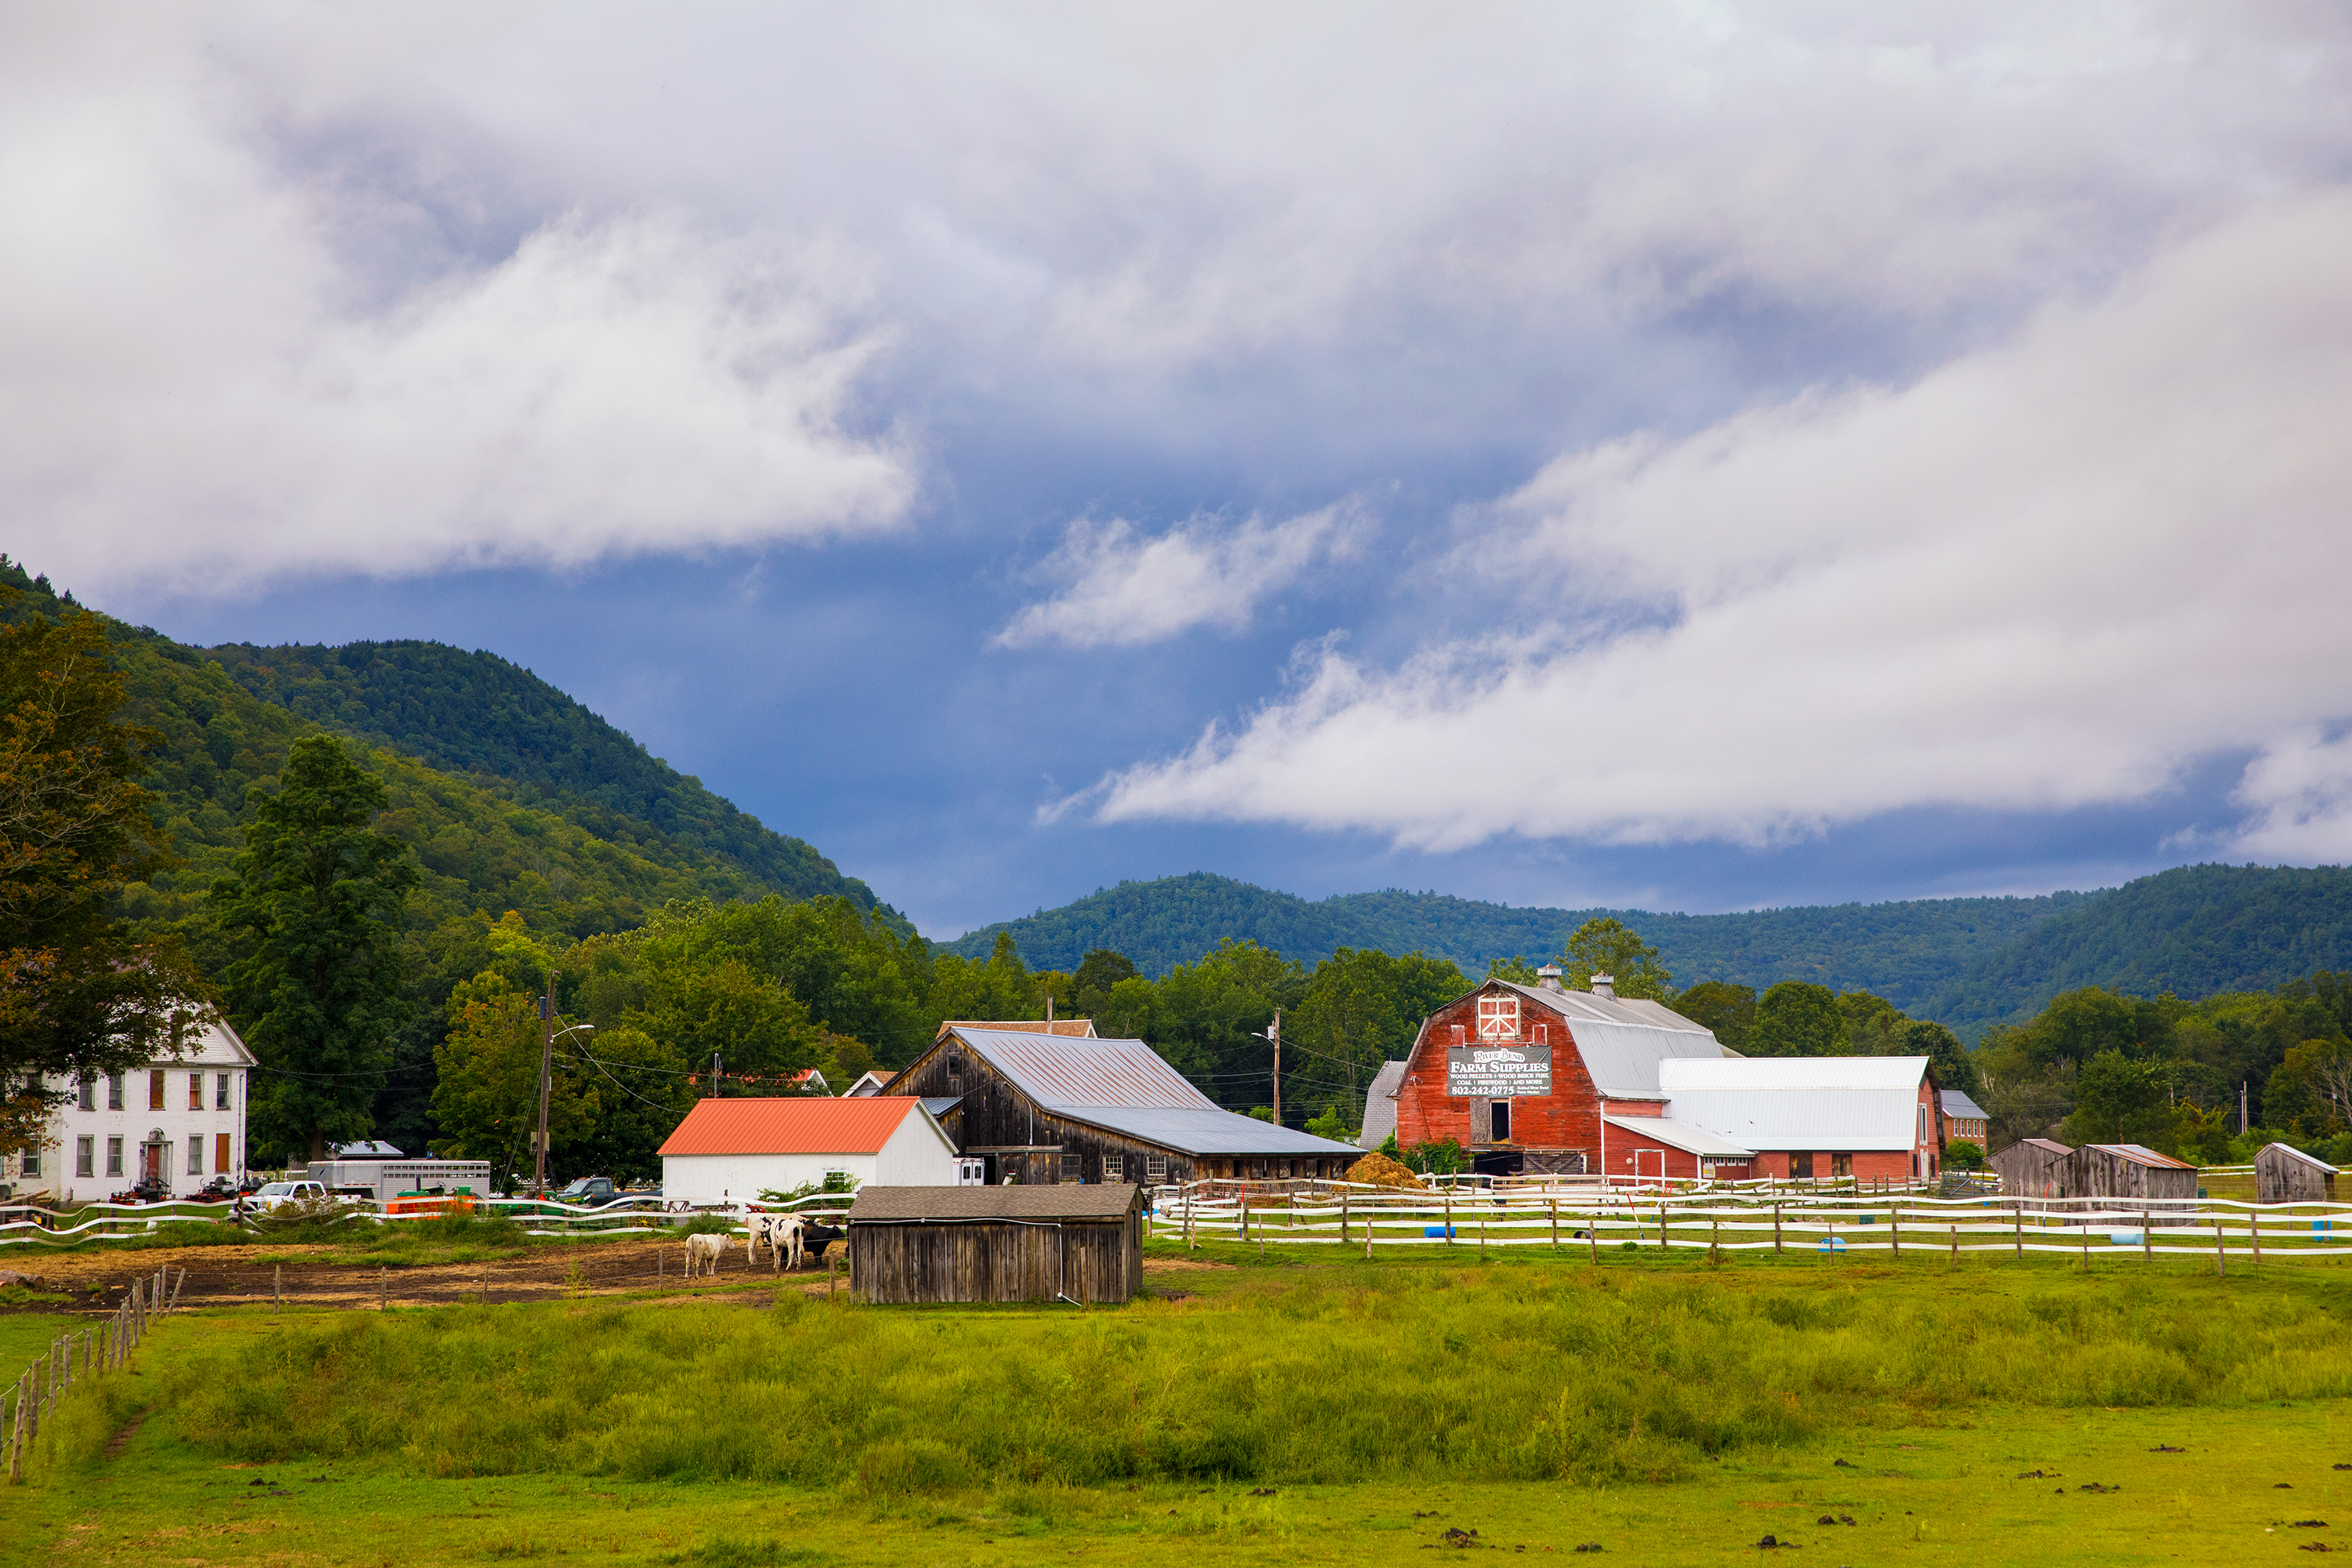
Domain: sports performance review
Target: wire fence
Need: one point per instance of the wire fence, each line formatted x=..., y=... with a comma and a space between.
x=75, y=1358
x=1589, y=1217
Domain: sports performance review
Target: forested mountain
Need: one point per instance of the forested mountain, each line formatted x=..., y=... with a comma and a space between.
x=2197, y=931
x=1902, y=952
x=1967, y=962
x=480, y=717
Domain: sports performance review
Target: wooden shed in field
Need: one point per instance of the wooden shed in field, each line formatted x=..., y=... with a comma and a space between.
x=2035, y=1168
x=2285, y=1175
x=2130, y=1170
x=1061, y=1243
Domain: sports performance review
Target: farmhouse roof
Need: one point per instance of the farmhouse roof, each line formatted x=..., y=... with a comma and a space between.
x=794, y=1125
x=1622, y=1038
x=1061, y=1070
x=1069, y=1028
x=1380, y=1104
x=1680, y=1135
x=1960, y=1107
x=900, y=1205
x=2289, y=1152
x=868, y=1084
x=2139, y=1154
x=1798, y=1103
x=1126, y=1087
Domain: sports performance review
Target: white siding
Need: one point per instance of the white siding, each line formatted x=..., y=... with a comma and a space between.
x=175, y=1128
x=918, y=1154
x=740, y=1178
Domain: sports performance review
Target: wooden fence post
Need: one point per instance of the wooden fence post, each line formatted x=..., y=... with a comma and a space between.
x=1555, y=1224
x=1449, y=1217
x=2020, y=1212
x=1368, y=1237
x=182, y=1279
x=1956, y=1238
x=2254, y=1232
x=1715, y=1241
x=278, y=1288
x=1775, y=1227
x=1895, y=1228
x=1343, y=1217
x=2147, y=1232
x=2221, y=1259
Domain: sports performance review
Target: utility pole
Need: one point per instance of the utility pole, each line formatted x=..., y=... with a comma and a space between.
x=2241, y=1109
x=1274, y=1035
x=546, y=1076
x=714, y=1074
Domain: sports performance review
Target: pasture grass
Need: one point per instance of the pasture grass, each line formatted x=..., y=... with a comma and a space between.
x=1299, y=1412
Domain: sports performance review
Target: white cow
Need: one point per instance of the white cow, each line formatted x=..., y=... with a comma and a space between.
x=784, y=1234
x=703, y=1253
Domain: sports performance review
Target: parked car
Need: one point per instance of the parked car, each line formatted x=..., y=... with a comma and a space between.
x=285, y=1194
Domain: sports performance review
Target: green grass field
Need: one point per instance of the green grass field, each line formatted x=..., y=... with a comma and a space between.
x=1307, y=1410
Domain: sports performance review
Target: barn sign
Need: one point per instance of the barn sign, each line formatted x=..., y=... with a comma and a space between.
x=1497, y=1072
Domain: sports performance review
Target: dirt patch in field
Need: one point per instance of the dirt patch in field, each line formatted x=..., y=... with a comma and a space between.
x=325, y=1276
x=1184, y=1265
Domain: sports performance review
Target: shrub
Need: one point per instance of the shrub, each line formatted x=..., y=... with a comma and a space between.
x=1964, y=1154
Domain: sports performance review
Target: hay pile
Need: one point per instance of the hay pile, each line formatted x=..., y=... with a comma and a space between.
x=1378, y=1170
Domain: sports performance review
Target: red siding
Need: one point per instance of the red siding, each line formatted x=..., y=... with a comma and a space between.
x=1567, y=1117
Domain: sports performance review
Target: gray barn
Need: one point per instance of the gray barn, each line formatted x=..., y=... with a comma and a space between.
x=1074, y=1243
x=2035, y=1168
x=2130, y=1170
x=2285, y=1175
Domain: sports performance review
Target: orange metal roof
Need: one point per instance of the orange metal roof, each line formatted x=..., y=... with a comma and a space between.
x=794, y=1125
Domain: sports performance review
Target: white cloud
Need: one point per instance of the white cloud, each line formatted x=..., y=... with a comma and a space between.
x=1126, y=589
x=2298, y=794
x=2045, y=577
x=208, y=381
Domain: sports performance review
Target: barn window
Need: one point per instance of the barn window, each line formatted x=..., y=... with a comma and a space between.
x=1923, y=1124
x=1113, y=1165
x=1155, y=1167
x=1841, y=1165
x=1070, y=1168
x=1498, y=1017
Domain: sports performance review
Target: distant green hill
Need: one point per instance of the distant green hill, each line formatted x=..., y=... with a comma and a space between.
x=1901, y=951
x=2195, y=931
x=478, y=716
x=1968, y=963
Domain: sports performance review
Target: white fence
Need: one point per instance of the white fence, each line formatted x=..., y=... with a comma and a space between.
x=34, y=1225
x=1588, y=1218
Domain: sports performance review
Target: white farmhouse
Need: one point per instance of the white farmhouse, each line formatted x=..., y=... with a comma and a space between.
x=180, y=1120
x=728, y=1150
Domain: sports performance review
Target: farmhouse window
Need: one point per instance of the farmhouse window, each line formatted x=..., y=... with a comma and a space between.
x=195, y=1156
x=195, y=1091
x=1501, y=1122
x=220, y=1092
x=114, y=1094
x=114, y=1156
x=89, y=1097
x=1114, y=1167
x=1498, y=1017
x=85, y=1155
x=1155, y=1167
x=155, y=1091
x=32, y=1162
x=220, y=1152
x=1071, y=1170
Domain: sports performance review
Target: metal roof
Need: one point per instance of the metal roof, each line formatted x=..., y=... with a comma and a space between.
x=1623, y=1038
x=1680, y=1135
x=1957, y=1104
x=367, y=1149
x=1842, y=1103
x=2288, y=1151
x=1202, y=1131
x=1075, y=1028
x=1057, y=1070
x=2140, y=1155
x=2044, y=1145
x=1379, y=1105
x=1102, y=1200
x=940, y=1104
x=791, y=1124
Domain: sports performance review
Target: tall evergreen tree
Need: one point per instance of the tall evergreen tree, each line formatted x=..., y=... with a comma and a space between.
x=317, y=895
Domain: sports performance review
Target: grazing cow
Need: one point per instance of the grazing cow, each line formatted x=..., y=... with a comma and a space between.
x=784, y=1232
x=703, y=1252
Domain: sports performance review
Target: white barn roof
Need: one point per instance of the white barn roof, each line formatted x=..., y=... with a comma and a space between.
x=1680, y=1135
x=1798, y=1103
x=1379, y=1105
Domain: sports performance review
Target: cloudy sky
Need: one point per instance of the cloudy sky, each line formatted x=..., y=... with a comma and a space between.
x=1695, y=456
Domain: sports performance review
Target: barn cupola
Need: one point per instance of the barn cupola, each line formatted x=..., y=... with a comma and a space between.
x=1604, y=986
x=1547, y=977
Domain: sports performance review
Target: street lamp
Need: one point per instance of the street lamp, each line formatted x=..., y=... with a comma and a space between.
x=549, y=1035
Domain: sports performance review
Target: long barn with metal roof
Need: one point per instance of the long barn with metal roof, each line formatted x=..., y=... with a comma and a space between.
x=1053, y=1107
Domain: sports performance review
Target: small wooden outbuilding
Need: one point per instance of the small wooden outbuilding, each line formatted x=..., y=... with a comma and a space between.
x=2035, y=1168
x=2130, y=1170
x=2285, y=1175
x=1066, y=1243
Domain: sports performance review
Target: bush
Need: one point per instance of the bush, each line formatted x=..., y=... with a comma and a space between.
x=1963, y=1154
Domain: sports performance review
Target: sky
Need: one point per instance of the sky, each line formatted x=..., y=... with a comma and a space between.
x=1682, y=457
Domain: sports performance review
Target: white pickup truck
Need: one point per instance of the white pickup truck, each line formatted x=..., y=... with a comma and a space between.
x=283, y=1195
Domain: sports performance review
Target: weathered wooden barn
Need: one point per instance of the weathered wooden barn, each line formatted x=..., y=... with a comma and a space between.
x=1077, y=1244
x=2035, y=1168
x=1054, y=1108
x=2130, y=1171
x=2285, y=1175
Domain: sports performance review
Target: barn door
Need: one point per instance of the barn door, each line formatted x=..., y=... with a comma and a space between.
x=1650, y=1165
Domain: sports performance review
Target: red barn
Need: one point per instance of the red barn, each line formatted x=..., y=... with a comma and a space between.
x=1534, y=1080
x=1867, y=1117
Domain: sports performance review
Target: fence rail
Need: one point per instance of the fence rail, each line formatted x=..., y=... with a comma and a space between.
x=1730, y=1219
x=34, y=1223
